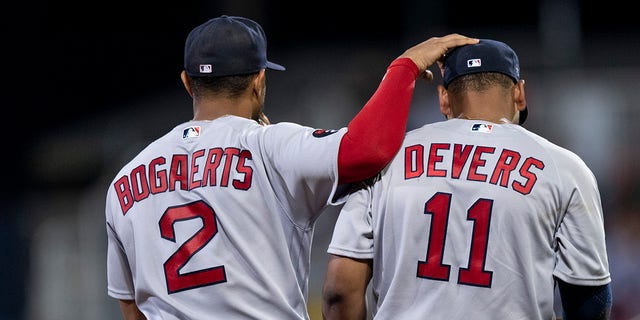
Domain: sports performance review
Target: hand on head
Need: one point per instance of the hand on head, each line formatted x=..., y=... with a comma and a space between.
x=432, y=50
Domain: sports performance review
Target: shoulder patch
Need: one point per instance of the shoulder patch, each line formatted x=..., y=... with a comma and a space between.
x=319, y=133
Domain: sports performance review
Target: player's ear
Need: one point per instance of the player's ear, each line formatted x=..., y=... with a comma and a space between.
x=519, y=98
x=443, y=97
x=186, y=82
x=258, y=85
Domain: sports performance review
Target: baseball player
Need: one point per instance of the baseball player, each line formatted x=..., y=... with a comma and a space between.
x=214, y=220
x=476, y=217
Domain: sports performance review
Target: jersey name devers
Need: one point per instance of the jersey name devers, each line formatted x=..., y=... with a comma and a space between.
x=185, y=172
x=474, y=163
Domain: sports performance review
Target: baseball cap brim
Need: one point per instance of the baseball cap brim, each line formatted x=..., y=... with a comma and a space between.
x=275, y=66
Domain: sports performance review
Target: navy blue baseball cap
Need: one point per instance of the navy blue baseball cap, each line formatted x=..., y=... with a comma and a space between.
x=484, y=56
x=226, y=46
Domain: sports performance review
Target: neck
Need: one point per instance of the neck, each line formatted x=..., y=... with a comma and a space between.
x=216, y=108
x=487, y=105
x=486, y=117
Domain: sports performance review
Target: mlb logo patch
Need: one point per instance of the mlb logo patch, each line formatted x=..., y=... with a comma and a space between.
x=206, y=68
x=473, y=63
x=191, y=132
x=482, y=127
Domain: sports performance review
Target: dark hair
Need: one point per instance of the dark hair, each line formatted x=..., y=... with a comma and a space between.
x=480, y=82
x=229, y=86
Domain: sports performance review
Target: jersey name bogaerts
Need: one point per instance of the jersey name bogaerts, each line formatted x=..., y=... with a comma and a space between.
x=215, y=219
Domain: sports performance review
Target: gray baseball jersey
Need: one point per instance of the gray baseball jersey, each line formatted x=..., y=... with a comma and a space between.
x=472, y=220
x=215, y=219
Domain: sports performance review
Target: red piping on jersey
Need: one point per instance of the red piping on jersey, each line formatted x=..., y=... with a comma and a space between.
x=375, y=134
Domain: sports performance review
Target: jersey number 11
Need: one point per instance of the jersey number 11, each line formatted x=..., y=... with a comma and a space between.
x=433, y=268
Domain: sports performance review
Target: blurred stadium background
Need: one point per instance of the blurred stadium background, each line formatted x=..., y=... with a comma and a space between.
x=89, y=84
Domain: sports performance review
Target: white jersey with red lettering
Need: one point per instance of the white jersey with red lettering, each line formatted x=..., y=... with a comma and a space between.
x=215, y=219
x=472, y=220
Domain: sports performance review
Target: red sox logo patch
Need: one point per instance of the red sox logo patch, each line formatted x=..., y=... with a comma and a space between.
x=319, y=133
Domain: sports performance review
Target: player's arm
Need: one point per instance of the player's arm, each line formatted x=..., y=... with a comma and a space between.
x=130, y=310
x=585, y=302
x=375, y=134
x=345, y=287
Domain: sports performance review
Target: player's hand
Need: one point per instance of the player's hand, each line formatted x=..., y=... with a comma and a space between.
x=432, y=50
x=263, y=120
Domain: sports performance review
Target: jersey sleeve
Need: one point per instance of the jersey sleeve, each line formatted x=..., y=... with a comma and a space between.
x=353, y=231
x=581, y=249
x=119, y=278
x=376, y=133
x=301, y=163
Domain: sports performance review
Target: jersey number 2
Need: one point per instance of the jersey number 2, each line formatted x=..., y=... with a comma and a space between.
x=433, y=268
x=178, y=282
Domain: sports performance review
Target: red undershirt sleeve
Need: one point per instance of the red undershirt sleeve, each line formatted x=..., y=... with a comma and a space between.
x=375, y=134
